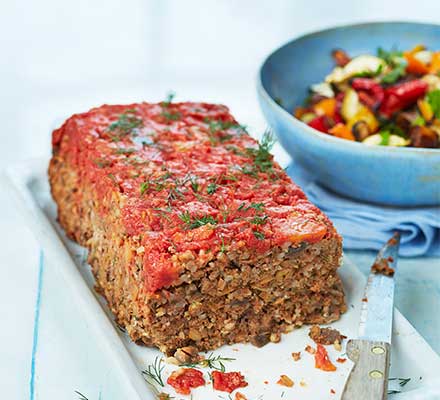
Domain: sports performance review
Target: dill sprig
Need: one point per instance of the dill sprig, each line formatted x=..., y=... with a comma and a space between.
x=127, y=123
x=259, y=235
x=169, y=99
x=213, y=362
x=196, y=222
x=212, y=188
x=153, y=373
x=255, y=206
x=402, y=382
x=259, y=219
x=262, y=157
x=171, y=116
x=81, y=396
x=219, y=125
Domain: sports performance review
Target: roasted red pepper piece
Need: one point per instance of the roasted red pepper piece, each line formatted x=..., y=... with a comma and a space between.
x=367, y=100
x=322, y=361
x=372, y=88
x=185, y=379
x=320, y=123
x=401, y=96
x=227, y=381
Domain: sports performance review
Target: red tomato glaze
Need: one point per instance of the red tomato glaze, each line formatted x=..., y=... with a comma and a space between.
x=186, y=177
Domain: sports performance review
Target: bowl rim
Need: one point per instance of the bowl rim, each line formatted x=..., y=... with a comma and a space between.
x=326, y=137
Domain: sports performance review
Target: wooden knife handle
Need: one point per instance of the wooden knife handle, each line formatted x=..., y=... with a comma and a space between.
x=369, y=378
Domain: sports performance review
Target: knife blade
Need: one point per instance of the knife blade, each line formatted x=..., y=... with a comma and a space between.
x=370, y=353
x=376, y=319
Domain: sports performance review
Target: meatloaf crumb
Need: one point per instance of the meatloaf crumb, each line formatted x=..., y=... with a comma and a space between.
x=325, y=336
x=382, y=267
x=196, y=236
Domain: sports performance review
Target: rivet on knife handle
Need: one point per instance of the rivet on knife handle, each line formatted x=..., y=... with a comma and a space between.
x=369, y=378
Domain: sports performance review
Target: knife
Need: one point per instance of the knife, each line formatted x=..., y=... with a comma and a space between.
x=370, y=353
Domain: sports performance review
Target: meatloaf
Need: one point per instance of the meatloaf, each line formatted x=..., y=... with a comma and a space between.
x=196, y=236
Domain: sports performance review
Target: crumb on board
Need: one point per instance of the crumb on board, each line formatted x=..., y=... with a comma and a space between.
x=310, y=349
x=240, y=396
x=337, y=345
x=365, y=300
x=332, y=391
x=296, y=356
x=185, y=355
x=163, y=396
x=325, y=335
x=266, y=382
x=382, y=267
x=341, y=360
x=302, y=383
x=390, y=259
x=285, y=381
x=392, y=241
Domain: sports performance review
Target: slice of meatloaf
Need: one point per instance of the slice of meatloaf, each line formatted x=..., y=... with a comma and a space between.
x=196, y=236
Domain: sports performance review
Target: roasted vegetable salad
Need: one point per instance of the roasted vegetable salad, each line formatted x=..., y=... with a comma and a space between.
x=390, y=99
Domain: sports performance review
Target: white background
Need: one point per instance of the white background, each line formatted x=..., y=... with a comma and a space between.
x=59, y=57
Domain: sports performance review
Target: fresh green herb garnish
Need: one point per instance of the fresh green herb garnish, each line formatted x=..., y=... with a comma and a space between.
x=102, y=163
x=255, y=206
x=126, y=124
x=211, y=189
x=402, y=383
x=262, y=157
x=144, y=187
x=223, y=247
x=397, y=72
x=219, y=125
x=169, y=99
x=419, y=121
x=171, y=116
x=433, y=99
x=259, y=235
x=157, y=184
x=259, y=220
x=194, y=184
x=389, y=56
x=196, y=222
x=81, y=396
x=369, y=74
x=213, y=362
x=393, y=129
x=153, y=373
x=395, y=60
x=385, y=136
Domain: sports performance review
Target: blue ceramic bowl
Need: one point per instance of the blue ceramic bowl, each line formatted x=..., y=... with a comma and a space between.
x=379, y=174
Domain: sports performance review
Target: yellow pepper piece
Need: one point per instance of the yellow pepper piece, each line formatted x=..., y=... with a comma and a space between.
x=425, y=109
x=414, y=66
x=342, y=131
x=434, y=67
x=417, y=48
x=364, y=114
x=325, y=107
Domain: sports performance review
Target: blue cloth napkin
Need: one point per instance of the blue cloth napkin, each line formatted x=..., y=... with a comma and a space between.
x=368, y=226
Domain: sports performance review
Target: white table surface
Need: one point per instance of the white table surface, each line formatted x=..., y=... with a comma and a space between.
x=59, y=58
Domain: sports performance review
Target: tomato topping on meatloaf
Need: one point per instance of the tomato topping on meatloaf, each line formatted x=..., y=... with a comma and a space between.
x=189, y=178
